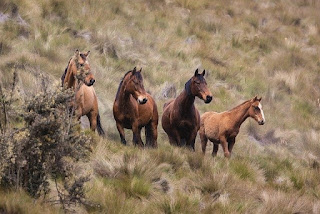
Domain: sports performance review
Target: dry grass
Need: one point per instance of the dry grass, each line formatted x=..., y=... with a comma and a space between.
x=269, y=48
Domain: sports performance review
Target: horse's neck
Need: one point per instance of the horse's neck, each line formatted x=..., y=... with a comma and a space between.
x=72, y=82
x=240, y=114
x=185, y=101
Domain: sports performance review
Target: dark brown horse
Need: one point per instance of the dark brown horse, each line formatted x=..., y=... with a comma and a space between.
x=181, y=119
x=79, y=77
x=133, y=109
x=222, y=128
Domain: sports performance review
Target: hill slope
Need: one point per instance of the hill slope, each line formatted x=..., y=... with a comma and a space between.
x=269, y=48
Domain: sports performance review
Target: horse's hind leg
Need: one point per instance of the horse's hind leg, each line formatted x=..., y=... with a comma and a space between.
x=151, y=134
x=204, y=140
x=121, y=133
x=215, y=149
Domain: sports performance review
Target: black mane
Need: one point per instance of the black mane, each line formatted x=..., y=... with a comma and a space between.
x=187, y=87
x=117, y=95
x=64, y=74
x=137, y=74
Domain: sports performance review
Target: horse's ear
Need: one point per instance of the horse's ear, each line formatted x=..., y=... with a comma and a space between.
x=140, y=70
x=259, y=99
x=134, y=70
x=196, y=73
x=77, y=52
x=87, y=54
x=255, y=98
x=203, y=72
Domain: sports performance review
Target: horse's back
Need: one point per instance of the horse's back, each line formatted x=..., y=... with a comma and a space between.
x=167, y=104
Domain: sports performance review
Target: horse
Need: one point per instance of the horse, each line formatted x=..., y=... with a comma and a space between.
x=134, y=109
x=222, y=128
x=78, y=76
x=181, y=119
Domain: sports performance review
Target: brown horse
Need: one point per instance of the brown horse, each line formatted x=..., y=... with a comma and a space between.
x=79, y=77
x=133, y=109
x=224, y=127
x=181, y=119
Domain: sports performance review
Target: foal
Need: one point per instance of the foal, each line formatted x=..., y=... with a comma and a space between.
x=133, y=109
x=180, y=118
x=222, y=128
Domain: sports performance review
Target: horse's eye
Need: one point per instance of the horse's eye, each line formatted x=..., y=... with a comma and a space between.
x=81, y=64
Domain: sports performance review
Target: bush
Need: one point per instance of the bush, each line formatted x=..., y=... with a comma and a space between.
x=47, y=146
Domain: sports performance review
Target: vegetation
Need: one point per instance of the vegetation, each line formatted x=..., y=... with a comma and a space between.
x=269, y=48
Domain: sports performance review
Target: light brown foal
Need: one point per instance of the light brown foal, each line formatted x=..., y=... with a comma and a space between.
x=222, y=128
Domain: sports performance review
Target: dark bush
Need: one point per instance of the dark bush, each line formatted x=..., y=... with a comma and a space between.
x=45, y=145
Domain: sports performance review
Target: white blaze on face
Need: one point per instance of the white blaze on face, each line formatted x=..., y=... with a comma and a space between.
x=262, y=114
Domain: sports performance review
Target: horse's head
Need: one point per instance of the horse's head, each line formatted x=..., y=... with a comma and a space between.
x=134, y=86
x=197, y=86
x=255, y=110
x=82, y=70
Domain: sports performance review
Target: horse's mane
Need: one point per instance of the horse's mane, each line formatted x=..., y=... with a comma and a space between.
x=65, y=72
x=240, y=105
x=117, y=95
x=139, y=76
x=187, y=87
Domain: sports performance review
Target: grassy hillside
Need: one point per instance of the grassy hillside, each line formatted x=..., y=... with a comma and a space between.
x=267, y=48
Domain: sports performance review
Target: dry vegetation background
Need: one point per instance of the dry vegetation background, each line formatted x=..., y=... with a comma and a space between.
x=270, y=48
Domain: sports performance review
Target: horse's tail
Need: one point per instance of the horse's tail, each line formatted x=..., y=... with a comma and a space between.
x=99, y=126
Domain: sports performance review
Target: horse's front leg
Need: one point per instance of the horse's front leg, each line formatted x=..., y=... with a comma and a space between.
x=175, y=137
x=192, y=139
x=137, y=134
x=92, y=116
x=121, y=132
x=224, y=144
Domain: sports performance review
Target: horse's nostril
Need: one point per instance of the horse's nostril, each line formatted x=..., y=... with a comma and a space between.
x=92, y=81
x=208, y=99
x=144, y=100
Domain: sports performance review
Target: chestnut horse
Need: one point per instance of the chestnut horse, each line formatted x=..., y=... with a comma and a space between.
x=79, y=77
x=224, y=127
x=181, y=119
x=133, y=109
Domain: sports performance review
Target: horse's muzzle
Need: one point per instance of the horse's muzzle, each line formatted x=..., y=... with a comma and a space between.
x=143, y=101
x=261, y=122
x=208, y=99
x=91, y=82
